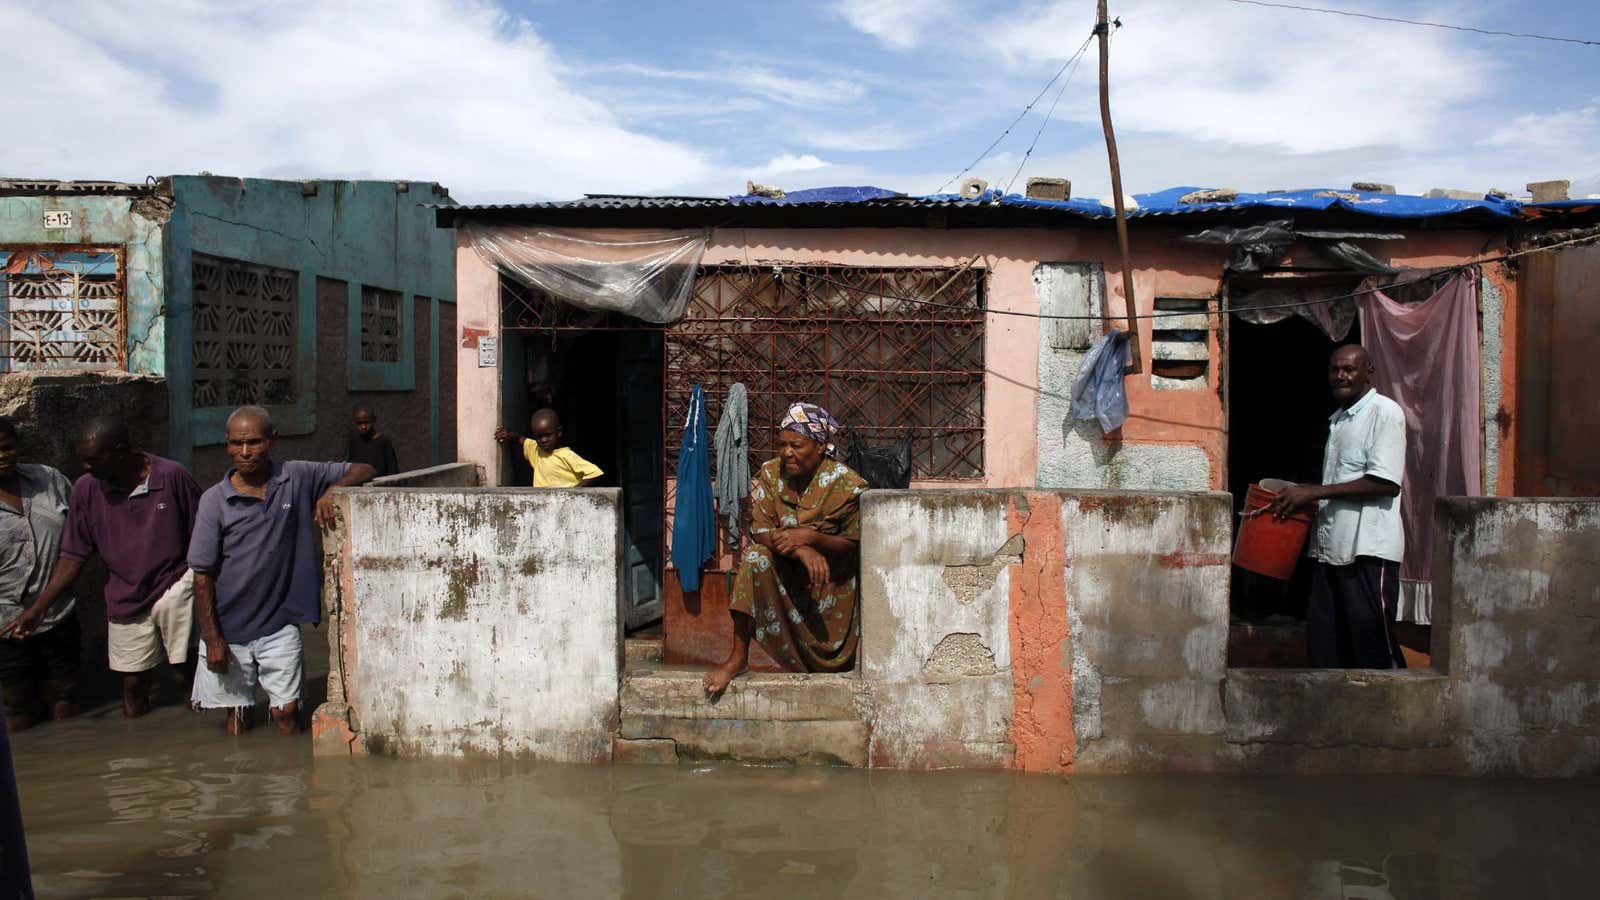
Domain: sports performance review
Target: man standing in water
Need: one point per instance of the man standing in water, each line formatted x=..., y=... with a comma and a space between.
x=255, y=557
x=1358, y=538
x=136, y=511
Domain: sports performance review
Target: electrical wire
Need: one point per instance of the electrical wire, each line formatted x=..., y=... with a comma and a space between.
x=1076, y=59
x=1220, y=311
x=1419, y=22
x=1020, y=116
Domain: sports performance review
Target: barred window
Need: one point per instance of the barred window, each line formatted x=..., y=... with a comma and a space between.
x=855, y=340
x=380, y=325
x=246, y=322
x=61, y=308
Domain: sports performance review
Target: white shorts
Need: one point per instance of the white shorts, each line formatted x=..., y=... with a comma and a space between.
x=136, y=646
x=274, y=662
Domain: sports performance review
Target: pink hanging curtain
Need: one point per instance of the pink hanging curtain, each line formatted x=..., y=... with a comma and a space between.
x=1426, y=359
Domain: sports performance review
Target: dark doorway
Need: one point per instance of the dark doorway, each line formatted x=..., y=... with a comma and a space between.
x=606, y=386
x=1278, y=408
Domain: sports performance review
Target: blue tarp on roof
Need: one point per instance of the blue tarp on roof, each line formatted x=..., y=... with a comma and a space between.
x=1169, y=202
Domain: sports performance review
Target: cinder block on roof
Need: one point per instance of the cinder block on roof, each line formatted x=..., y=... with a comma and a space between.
x=1453, y=194
x=1372, y=187
x=1049, y=189
x=1546, y=191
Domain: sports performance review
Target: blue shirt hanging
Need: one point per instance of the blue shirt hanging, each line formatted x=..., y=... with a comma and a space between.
x=694, y=524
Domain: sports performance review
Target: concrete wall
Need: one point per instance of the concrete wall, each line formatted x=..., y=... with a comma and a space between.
x=1521, y=581
x=1066, y=632
x=337, y=236
x=1036, y=629
x=476, y=621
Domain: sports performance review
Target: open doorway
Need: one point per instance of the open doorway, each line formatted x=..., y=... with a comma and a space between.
x=1277, y=418
x=606, y=386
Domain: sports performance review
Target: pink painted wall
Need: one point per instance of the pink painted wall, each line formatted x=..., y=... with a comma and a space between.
x=477, y=389
x=1164, y=265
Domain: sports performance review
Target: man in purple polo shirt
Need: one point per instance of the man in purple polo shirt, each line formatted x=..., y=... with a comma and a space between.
x=256, y=559
x=135, y=510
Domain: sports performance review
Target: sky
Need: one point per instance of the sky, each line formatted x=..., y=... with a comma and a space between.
x=516, y=100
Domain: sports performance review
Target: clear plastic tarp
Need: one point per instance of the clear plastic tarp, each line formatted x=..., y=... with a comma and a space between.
x=644, y=274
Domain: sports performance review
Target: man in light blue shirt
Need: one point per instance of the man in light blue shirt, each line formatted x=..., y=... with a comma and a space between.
x=1358, y=538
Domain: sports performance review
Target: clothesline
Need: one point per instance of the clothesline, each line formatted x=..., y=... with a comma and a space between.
x=1432, y=274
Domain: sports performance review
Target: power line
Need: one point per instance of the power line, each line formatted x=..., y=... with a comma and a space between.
x=1077, y=58
x=1020, y=116
x=1220, y=311
x=1358, y=15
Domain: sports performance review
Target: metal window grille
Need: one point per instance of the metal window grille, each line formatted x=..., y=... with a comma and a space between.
x=246, y=322
x=840, y=336
x=380, y=325
x=889, y=368
x=61, y=308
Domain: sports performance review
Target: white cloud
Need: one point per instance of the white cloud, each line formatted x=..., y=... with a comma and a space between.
x=788, y=163
x=898, y=24
x=796, y=91
x=881, y=136
x=1245, y=75
x=446, y=90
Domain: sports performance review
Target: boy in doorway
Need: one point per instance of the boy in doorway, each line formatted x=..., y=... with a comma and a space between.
x=370, y=446
x=554, y=464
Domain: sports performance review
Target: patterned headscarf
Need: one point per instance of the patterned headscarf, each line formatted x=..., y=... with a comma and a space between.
x=814, y=422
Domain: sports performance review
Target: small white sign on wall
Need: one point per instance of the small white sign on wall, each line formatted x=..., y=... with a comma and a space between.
x=488, y=351
x=57, y=219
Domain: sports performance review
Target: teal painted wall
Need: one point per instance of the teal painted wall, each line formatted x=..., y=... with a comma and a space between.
x=363, y=233
x=107, y=221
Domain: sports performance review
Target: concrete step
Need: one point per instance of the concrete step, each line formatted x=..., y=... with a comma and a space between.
x=760, y=718
x=1402, y=708
x=642, y=651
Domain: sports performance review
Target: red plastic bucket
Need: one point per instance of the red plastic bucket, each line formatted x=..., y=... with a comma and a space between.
x=1267, y=545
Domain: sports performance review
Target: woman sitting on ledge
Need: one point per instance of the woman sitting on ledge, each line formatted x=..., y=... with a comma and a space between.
x=795, y=591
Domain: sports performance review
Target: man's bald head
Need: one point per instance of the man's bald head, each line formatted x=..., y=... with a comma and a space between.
x=106, y=449
x=106, y=433
x=1356, y=354
x=254, y=415
x=1349, y=374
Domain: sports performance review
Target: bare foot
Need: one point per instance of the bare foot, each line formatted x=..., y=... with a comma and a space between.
x=717, y=679
x=240, y=720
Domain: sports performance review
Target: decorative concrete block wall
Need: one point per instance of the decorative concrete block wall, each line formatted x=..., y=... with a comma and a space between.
x=479, y=621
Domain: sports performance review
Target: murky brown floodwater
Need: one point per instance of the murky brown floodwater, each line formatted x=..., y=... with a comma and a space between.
x=168, y=807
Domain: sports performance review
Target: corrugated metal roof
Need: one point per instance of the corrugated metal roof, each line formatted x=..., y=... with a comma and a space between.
x=992, y=206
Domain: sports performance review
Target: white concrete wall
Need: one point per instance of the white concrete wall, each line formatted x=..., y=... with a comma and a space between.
x=1517, y=585
x=935, y=641
x=484, y=621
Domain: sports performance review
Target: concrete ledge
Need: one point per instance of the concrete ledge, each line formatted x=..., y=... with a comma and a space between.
x=751, y=697
x=1401, y=709
x=814, y=742
x=650, y=752
x=447, y=475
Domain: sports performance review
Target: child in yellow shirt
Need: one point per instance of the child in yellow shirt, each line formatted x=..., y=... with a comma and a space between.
x=554, y=464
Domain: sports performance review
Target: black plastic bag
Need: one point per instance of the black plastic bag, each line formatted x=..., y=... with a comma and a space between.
x=881, y=467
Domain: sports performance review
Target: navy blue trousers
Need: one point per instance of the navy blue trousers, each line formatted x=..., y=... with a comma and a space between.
x=1350, y=620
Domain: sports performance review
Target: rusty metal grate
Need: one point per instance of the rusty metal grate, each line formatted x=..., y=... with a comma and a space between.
x=834, y=335
x=246, y=321
x=61, y=308
x=837, y=335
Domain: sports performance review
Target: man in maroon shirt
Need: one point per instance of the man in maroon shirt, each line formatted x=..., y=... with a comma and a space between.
x=136, y=510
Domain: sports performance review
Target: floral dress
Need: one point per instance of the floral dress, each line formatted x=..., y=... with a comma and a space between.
x=801, y=631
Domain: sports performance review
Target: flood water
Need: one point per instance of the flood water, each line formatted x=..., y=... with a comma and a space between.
x=169, y=807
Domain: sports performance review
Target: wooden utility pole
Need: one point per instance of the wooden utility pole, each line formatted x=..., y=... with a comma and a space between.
x=1103, y=29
